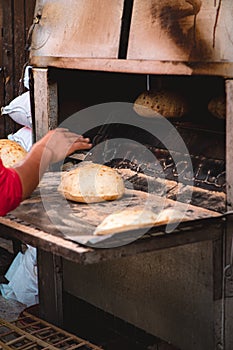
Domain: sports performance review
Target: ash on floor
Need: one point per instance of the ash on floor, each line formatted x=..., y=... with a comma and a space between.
x=10, y=309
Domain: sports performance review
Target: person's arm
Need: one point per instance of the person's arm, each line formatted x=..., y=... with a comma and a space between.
x=53, y=147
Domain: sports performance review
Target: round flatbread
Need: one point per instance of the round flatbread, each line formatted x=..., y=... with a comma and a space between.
x=91, y=183
x=11, y=152
x=169, y=216
x=125, y=220
x=137, y=218
x=165, y=103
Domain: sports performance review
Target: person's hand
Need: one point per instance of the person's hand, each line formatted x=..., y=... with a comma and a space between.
x=52, y=148
x=59, y=143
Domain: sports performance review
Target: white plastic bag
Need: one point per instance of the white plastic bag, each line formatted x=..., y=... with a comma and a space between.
x=23, y=136
x=26, y=77
x=19, y=109
x=22, y=277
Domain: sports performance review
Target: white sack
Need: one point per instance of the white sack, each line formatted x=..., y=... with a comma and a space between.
x=23, y=136
x=22, y=277
x=26, y=77
x=19, y=109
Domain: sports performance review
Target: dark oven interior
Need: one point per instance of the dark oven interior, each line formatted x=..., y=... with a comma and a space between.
x=202, y=132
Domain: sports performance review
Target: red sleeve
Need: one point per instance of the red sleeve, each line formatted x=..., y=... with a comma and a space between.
x=10, y=189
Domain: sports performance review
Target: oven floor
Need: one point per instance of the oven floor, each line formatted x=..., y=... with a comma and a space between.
x=118, y=335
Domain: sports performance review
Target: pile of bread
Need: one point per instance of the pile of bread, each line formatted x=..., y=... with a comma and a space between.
x=11, y=152
x=170, y=103
x=91, y=183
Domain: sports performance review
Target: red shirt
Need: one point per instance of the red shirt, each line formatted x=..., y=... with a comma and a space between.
x=10, y=189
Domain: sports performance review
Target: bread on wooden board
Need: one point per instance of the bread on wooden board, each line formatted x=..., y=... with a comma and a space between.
x=91, y=182
x=136, y=218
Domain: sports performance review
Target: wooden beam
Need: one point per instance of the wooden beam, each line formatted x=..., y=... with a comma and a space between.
x=224, y=69
x=18, y=48
x=228, y=263
x=1, y=74
x=8, y=60
x=45, y=102
x=84, y=255
x=229, y=142
x=50, y=287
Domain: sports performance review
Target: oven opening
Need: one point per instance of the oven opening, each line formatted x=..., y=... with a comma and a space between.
x=172, y=166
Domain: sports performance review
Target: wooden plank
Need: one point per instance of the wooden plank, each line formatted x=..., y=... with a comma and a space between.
x=13, y=51
x=11, y=228
x=29, y=14
x=1, y=74
x=8, y=60
x=228, y=285
x=28, y=23
x=72, y=251
x=229, y=143
x=19, y=43
x=45, y=103
x=50, y=287
x=181, y=31
x=228, y=242
x=136, y=66
x=23, y=17
x=84, y=28
x=7, y=42
x=218, y=292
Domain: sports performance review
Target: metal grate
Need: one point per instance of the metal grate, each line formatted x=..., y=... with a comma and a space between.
x=31, y=333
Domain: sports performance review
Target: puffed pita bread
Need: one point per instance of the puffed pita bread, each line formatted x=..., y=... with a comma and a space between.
x=90, y=183
x=136, y=218
x=165, y=103
x=11, y=152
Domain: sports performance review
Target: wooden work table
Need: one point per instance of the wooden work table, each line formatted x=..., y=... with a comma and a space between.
x=31, y=225
x=49, y=222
